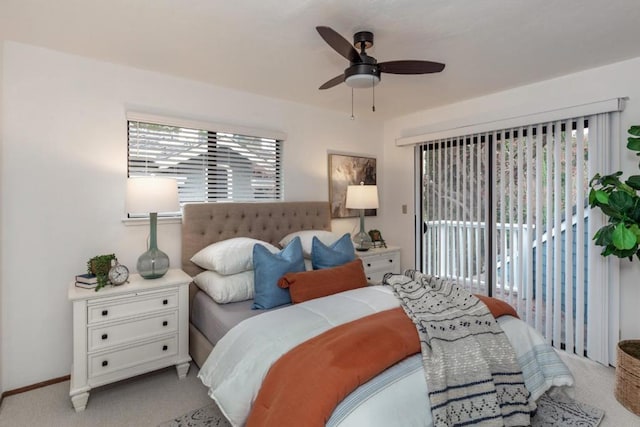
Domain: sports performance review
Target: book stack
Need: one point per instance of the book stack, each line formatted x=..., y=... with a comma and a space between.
x=86, y=281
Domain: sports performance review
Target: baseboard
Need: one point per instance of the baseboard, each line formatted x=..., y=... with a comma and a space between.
x=34, y=386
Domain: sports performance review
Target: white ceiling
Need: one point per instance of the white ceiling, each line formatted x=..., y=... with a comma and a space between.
x=272, y=48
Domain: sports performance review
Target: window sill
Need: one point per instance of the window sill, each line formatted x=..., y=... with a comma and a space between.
x=145, y=221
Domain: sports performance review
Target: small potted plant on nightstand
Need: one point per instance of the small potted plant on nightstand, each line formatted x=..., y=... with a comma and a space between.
x=620, y=202
x=100, y=265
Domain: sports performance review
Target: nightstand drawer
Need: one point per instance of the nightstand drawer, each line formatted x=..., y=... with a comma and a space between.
x=389, y=262
x=379, y=261
x=107, y=362
x=375, y=277
x=104, y=336
x=118, y=308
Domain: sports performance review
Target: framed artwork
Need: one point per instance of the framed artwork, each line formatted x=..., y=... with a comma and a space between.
x=347, y=170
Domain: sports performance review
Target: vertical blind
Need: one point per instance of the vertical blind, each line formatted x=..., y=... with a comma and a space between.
x=505, y=212
x=208, y=165
x=454, y=208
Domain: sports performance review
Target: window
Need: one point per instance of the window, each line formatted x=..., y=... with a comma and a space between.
x=209, y=165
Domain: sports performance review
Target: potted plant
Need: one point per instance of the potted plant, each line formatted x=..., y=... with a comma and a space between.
x=100, y=265
x=620, y=202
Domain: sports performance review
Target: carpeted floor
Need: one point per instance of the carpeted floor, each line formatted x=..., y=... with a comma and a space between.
x=562, y=411
x=553, y=411
x=152, y=399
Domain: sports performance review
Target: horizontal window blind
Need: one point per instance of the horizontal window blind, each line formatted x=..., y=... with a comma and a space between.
x=209, y=166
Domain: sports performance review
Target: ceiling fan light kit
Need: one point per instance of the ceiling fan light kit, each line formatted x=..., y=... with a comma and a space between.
x=361, y=80
x=364, y=71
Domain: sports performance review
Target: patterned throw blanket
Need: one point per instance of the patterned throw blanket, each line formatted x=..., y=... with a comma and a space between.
x=471, y=369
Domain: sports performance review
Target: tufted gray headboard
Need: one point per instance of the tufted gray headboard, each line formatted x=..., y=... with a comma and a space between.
x=206, y=223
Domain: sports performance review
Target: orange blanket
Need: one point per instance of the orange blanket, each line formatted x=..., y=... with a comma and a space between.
x=497, y=307
x=347, y=356
x=306, y=384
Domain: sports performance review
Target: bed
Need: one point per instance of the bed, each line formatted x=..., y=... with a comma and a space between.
x=394, y=397
x=207, y=223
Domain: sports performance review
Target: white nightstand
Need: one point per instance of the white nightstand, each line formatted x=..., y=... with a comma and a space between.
x=127, y=330
x=378, y=261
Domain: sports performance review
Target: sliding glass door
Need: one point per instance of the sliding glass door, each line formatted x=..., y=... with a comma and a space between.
x=505, y=212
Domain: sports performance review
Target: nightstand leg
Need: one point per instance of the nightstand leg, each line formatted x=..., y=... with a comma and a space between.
x=182, y=369
x=80, y=401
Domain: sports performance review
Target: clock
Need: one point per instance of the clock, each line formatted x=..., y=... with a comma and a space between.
x=118, y=274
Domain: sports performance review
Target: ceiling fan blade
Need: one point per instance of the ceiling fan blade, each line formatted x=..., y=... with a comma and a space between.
x=410, y=67
x=339, y=44
x=333, y=82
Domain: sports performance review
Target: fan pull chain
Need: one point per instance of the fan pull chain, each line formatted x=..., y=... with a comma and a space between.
x=373, y=91
x=352, y=116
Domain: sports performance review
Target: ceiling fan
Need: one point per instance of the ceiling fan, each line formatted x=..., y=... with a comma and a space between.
x=364, y=70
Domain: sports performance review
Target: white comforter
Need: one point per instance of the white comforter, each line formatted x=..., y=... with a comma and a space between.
x=241, y=359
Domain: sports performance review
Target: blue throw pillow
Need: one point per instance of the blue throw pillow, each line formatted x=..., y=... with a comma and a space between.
x=339, y=252
x=269, y=267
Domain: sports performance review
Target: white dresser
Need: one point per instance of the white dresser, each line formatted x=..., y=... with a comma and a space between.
x=128, y=330
x=378, y=261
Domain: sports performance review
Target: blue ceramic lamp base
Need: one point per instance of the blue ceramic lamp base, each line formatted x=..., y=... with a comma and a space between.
x=153, y=263
x=362, y=238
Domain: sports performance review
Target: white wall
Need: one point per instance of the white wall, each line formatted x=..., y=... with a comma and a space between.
x=63, y=174
x=617, y=80
x=1, y=239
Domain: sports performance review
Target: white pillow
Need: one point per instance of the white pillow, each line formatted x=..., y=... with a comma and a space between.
x=229, y=256
x=308, y=265
x=225, y=289
x=306, y=237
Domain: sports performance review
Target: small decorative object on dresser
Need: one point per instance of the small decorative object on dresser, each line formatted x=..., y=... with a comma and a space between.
x=99, y=266
x=128, y=330
x=118, y=273
x=379, y=261
x=376, y=239
x=87, y=280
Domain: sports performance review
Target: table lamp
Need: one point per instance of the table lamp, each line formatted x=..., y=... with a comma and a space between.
x=362, y=197
x=151, y=195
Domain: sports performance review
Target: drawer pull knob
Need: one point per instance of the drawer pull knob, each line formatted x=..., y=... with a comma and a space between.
x=165, y=348
x=368, y=264
x=165, y=323
x=104, y=336
x=105, y=363
x=390, y=260
x=105, y=312
x=165, y=301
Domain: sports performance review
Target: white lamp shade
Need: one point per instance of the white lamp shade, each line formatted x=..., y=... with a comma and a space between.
x=362, y=197
x=152, y=194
